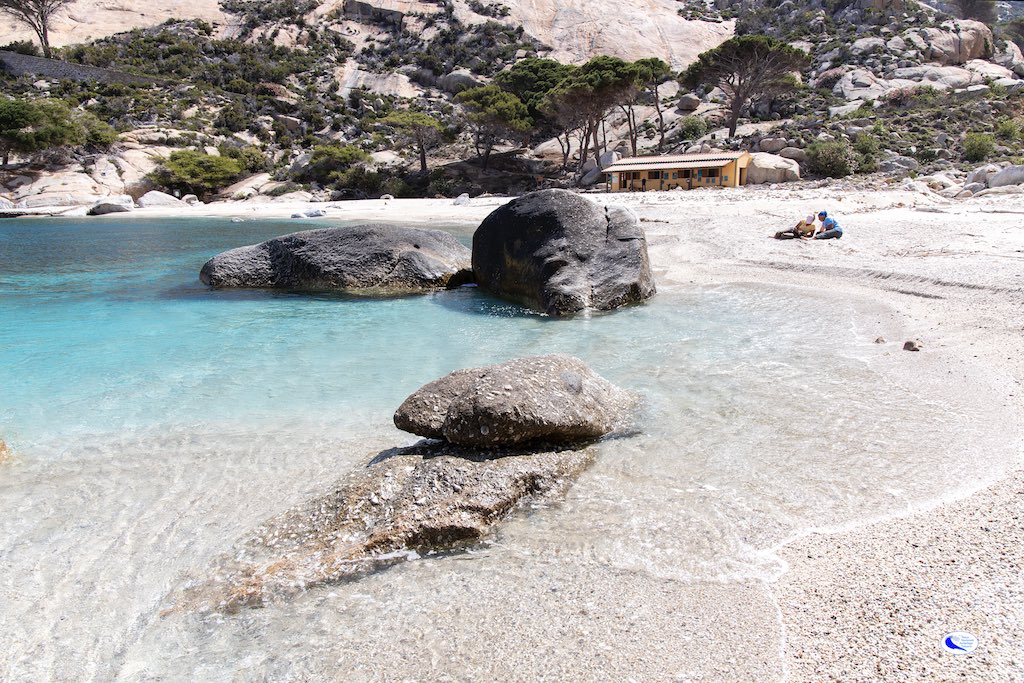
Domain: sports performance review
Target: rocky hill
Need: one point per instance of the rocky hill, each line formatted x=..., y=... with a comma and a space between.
x=893, y=86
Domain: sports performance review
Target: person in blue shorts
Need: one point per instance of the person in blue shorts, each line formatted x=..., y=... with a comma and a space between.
x=829, y=229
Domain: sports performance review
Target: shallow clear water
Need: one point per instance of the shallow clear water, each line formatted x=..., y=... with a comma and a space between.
x=155, y=422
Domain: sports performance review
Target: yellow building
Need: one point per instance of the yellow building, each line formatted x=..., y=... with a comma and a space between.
x=715, y=169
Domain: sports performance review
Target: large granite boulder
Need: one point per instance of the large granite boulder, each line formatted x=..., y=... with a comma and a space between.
x=1011, y=175
x=112, y=204
x=561, y=253
x=770, y=168
x=956, y=42
x=405, y=504
x=157, y=199
x=553, y=399
x=375, y=257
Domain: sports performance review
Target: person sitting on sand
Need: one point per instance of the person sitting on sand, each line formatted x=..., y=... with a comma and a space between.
x=830, y=229
x=804, y=228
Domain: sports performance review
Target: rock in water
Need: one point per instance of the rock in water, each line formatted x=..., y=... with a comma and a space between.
x=405, y=503
x=374, y=257
x=552, y=399
x=561, y=253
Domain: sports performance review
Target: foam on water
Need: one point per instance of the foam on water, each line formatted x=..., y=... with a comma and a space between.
x=156, y=422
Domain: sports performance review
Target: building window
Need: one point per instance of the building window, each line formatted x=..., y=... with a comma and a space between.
x=725, y=179
x=653, y=175
x=675, y=175
x=712, y=173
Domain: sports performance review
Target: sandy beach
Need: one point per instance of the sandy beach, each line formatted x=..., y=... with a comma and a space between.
x=870, y=601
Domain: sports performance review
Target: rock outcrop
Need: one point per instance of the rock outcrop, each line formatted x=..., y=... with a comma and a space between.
x=405, y=503
x=113, y=204
x=561, y=253
x=155, y=198
x=369, y=258
x=553, y=399
x=770, y=168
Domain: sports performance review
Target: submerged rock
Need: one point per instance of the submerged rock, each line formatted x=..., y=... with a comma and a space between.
x=403, y=504
x=561, y=253
x=552, y=399
x=363, y=257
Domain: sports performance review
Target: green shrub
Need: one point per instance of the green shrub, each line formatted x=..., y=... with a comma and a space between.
x=23, y=47
x=329, y=160
x=834, y=159
x=98, y=134
x=867, y=143
x=1007, y=129
x=978, y=146
x=189, y=171
x=692, y=127
x=251, y=158
x=358, y=180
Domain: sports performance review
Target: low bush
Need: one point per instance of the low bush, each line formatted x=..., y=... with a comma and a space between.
x=978, y=146
x=192, y=172
x=692, y=127
x=833, y=159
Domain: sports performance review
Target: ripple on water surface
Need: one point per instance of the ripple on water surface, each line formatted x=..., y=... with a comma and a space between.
x=156, y=421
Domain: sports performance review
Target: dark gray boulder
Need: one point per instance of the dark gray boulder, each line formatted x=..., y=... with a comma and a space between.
x=561, y=253
x=552, y=399
x=405, y=503
x=375, y=257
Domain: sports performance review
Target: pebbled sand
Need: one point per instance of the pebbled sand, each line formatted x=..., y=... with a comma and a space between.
x=868, y=602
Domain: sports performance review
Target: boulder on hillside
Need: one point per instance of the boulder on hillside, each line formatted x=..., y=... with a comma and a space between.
x=956, y=42
x=552, y=399
x=688, y=102
x=459, y=80
x=561, y=253
x=155, y=198
x=981, y=174
x=1011, y=175
x=373, y=258
x=770, y=168
x=772, y=145
x=1009, y=56
x=113, y=204
x=795, y=153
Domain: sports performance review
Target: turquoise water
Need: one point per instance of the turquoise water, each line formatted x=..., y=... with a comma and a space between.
x=155, y=422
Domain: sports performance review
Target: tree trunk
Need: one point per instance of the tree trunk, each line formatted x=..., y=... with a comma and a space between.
x=44, y=39
x=423, y=157
x=627, y=109
x=487, y=156
x=661, y=119
x=566, y=147
x=734, y=114
x=597, y=142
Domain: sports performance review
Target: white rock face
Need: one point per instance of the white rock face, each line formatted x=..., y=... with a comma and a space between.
x=154, y=198
x=87, y=20
x=70, y=186
x=397, y=84
x=581, y=29
x=1010, y=57
x=941, y=77
x=866, y=45
x=1011, y=175
x=770, y=168
x=956, y=43
x=981, y=174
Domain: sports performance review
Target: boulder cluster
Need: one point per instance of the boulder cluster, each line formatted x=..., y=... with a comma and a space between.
x=553, y=251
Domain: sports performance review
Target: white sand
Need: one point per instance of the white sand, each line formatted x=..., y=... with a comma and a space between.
x=870, y=602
